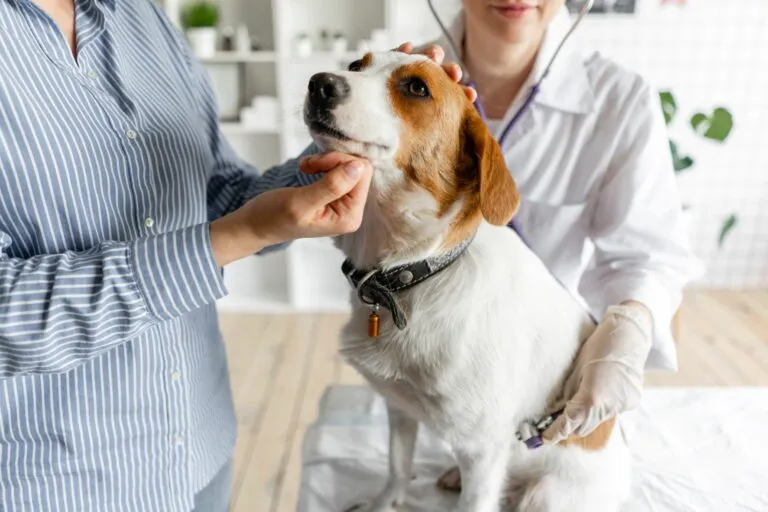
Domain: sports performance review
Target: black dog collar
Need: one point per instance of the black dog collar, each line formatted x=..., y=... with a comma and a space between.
x=376, y=287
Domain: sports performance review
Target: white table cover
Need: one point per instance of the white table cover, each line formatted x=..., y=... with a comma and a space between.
x=695, y=450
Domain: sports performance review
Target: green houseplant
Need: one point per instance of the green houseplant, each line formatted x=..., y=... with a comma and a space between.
x=200, y=19
x=715, y=127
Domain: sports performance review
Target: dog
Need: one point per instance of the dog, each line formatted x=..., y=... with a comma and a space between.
x=455, y=321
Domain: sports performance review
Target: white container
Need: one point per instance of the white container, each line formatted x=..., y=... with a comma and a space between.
x=225, y=81
x=262, y=114
x=267, y=107
x=339, y=45
x=242, y=40
x=203, y=42
x=303, y=46
x=363, y=46
x=380, y=40
x=250, y=117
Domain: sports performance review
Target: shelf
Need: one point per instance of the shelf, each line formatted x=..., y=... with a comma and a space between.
x=236, y=128
x=269, y=56
x=347, y=55
x=236, y=57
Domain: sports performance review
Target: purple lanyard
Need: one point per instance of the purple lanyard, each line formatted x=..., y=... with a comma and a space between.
x=507, y=129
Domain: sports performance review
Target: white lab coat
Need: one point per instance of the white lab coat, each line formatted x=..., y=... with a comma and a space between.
x=600, y=201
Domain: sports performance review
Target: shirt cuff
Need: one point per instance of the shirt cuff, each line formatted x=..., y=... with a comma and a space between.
x=177, y=271
x=662, y=305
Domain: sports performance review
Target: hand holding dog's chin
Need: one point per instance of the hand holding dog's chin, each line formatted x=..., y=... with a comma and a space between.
x=331, y=206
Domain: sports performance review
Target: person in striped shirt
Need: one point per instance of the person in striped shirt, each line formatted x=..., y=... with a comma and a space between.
x=120, y=202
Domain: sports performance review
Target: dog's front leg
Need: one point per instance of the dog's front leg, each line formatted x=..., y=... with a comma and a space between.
x=483, y=474
x=402, y=442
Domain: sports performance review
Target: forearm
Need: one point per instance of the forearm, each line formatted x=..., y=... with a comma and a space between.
x=232, y=239
x=59, y=310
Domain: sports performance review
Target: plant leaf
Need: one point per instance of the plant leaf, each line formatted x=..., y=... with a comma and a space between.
x=699, y=122
x=683, y=163
x=200, y=14
x=726, y=228
x=714, y=127
x=668, y=105
x=680, y=163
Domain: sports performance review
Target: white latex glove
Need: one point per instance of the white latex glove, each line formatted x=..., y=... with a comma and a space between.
x=607, y=377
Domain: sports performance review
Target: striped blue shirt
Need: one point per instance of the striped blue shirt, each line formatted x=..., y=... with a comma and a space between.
x=114, y=392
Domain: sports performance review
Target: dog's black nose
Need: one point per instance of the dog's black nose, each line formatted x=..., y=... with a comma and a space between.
x=327, y=90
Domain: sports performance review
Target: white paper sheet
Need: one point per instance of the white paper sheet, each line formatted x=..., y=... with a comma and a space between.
x=695, y=450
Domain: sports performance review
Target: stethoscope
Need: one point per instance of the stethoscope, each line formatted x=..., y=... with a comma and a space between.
x=531, y=94
x=534, y=88
x=530, y=431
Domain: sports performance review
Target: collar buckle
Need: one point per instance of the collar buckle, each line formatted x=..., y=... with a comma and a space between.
x=361, y=285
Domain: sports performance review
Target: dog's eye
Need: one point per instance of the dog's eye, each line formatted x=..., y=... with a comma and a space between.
x=417, y=87
x=356, y=65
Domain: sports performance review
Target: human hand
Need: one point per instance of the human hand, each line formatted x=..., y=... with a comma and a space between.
x=331, y=206
x=607, y=378
x=437, y=54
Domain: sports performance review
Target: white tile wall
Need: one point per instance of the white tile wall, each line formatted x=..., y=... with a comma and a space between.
x=710, y=54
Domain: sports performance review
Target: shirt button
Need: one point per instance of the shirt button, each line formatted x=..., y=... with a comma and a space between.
x=176, y=376
x=92, y=74
x=149, y=222
x=131, y=134
x=179, y=440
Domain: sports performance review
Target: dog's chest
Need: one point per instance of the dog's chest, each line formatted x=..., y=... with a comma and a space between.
x=407, y=380
x=407, y=396
x=423, y=371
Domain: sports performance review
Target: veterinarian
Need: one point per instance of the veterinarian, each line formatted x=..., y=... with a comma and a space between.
x=599, y=201
x=120, y=202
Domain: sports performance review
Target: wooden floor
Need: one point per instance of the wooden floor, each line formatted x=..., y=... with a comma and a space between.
x=281, y=365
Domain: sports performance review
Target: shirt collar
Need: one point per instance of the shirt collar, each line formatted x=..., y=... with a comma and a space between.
x=567, y=87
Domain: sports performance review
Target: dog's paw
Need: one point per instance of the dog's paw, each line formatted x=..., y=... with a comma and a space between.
x=450, y=480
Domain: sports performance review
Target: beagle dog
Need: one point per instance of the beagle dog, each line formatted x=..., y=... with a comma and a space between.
x=455, y=322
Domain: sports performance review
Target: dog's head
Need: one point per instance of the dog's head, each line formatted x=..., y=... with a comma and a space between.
x=435, y=162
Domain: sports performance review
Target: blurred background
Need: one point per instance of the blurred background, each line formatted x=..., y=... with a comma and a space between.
x=707, y=58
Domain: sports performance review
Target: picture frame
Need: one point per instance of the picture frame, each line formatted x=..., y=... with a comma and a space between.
x=628, y=7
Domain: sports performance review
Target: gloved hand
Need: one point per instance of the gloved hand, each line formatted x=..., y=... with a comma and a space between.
x=607, y=377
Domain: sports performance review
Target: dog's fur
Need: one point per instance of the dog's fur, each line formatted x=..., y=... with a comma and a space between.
x=489, y=340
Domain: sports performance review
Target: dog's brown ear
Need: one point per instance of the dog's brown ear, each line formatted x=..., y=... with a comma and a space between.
x=499, y=197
